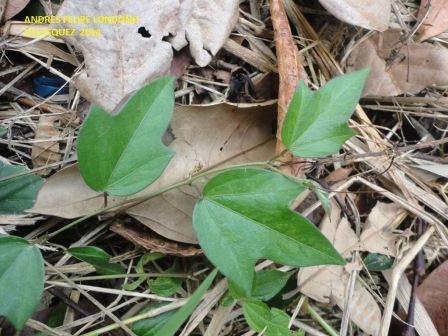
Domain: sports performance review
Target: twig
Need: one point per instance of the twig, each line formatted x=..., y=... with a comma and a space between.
x=328, y=328
x=419, y=270
x=396, y=275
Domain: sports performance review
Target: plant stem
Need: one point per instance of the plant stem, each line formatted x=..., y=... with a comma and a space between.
x=140, y=199
x=316, y=317
x=149, y=314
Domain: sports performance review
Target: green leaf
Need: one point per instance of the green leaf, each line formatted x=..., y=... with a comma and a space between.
x=165, y=286
x=273, y=322
x=2, y=131
x=316, y=123
x=56, y=318
x=21, y=279
x=97, y=258
x=122, y=154
x=376, y=262
x=176, y=321
x=139, y=268
x=244, y=216
x=150, y=326
x=267, y=284
x=19, y=193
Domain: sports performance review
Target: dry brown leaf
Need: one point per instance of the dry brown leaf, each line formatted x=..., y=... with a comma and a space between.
x=433, y=294
x=415, y=66
x=377, y=236
x=150, y=241
x=14, y=7
x=66, y=195
x=370, y=14
x=205, y=137
x=121, y=60
x=45, y=150
x=329, y=283
x=435, y=18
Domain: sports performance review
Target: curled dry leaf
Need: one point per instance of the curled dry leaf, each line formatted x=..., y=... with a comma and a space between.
x=433, y=294
x=370, y=14
x=397, y=68
x=434, y=14
x=204, y=137
x=150, y=241
x=46, y=148
x=329, y=283
x=122, y=59
x=14, y=7
x=377, y=236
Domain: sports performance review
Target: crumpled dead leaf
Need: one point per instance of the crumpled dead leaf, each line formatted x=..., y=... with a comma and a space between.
x=46, y=151
x=14, y=7
x=433, y=294
x=370, y=14
x=434, y=14
x=121, y=60
x=398, y=68
x=205, y=136
x=329, y=283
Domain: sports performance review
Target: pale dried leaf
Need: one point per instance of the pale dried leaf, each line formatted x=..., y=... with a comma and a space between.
x=66, y=195
x=435, y=168
x=329, y=283
x=435, y=14
x=397, y=68
x=377, y=236
x=121, y=60
x=14, y=7
x=206, y=136
x=370, y=14
x=45, y=150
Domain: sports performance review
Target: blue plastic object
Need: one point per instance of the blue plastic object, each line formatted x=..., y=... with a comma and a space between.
x=45, y=86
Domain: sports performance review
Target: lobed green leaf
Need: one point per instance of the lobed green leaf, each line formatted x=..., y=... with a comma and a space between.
x=316, y=122
x=244, y=216
x=21, y=279
x=122, y=154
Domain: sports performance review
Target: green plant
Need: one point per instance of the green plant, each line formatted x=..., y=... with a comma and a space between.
x=244, y=213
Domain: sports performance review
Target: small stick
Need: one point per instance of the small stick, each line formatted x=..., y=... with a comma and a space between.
x=419, y=270
x=290, y=69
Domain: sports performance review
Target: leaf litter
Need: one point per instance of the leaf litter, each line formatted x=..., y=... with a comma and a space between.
x=407, y=81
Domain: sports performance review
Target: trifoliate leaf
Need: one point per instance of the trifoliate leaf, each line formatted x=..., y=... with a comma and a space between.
x=122, y=154
x=244, y=216
x=316, y=123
